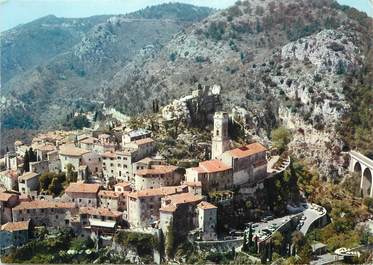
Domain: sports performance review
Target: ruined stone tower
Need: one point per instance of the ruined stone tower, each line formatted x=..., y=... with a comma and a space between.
x=220, y=139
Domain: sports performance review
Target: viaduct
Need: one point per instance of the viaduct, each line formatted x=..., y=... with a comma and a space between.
x=363, y=166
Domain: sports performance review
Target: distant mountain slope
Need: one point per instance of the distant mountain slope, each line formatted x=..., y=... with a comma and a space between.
x=283, y=62
x=43, y=94
x=31, y=44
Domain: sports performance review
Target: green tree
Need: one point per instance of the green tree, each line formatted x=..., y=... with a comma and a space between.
x=297, y=238
x=71, y=175
x=277, y=240
x=26, y=162
x=55, y=187
x=45, y=180
x=280, y=138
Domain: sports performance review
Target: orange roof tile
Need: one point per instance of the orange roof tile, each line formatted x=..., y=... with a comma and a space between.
x=211, y=166
x=28, y=175
x=143, y=141
x=70, y=150
x=80, y=187
x=247, y=150
x=18, y=143
x=4, y=197
x=16, y=226
x=162, y=191
x=108, y=155
x=123, y=184
x=89, y=140
x=181, y=198
x=168, y=208
x=156, y=170
x=206, y=205
x=43, y=204
x=99, y=211
x=10, y=174
x=45, y=147
x=193, y=183
x=109, y=194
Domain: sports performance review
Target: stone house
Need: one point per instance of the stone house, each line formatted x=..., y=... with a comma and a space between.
x=112, y=200
x=194, y=187
x=42, y=151
x=82, y=194
x=207, y=220
x=213, y=174
x=120, y=164
x=39, y=167
x=144, y=147
x=13, y=161
x=14, y=234
x=157, y=176
x=28, y=183
x=179, y=210
x=44, y=213
x=100, y=221
x=88, y=143
x=122, y=186
x=143, y=206
x=134, y=135
x=20, y=148
x=9, y=179
x=69, y=154
x=7, y=202
x=249, y=163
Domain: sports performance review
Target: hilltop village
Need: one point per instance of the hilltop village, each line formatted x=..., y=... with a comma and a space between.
x=125, y=184
x=102, y=186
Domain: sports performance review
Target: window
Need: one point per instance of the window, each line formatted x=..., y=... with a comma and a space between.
x=56, y=216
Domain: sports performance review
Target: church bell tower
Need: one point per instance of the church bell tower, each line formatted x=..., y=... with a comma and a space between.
x=220, y=139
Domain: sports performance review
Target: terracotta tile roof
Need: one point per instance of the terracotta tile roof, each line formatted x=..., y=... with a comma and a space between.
x=4, y=197
x=79, y=187
x=45, y=147
x=18, y=143
x=10, y=174
x=125, y=152
x=181, y=198
x=43, y=204
x=89, y=140
x=16, y=226
x=104, y=135
x=123, y=184
x=70, y=150
x=247, y=150
x=168, y=208
x=100, y=212
x=143, y=141
x=206, y=205
x=162, y=191
x=211, y=166
x=108, y=155
x=109, y=194
x=28, y=175
x=156, y=170
x=193, y=183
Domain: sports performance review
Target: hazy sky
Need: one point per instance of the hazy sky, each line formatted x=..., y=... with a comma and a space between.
x=14, y=12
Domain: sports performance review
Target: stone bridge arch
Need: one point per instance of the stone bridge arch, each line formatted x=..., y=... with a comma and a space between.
x=363, y=167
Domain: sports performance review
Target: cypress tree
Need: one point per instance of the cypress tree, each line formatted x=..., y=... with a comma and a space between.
x=26, y=162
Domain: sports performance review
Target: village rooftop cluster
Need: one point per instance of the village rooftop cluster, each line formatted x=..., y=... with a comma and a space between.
x=120, y=184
